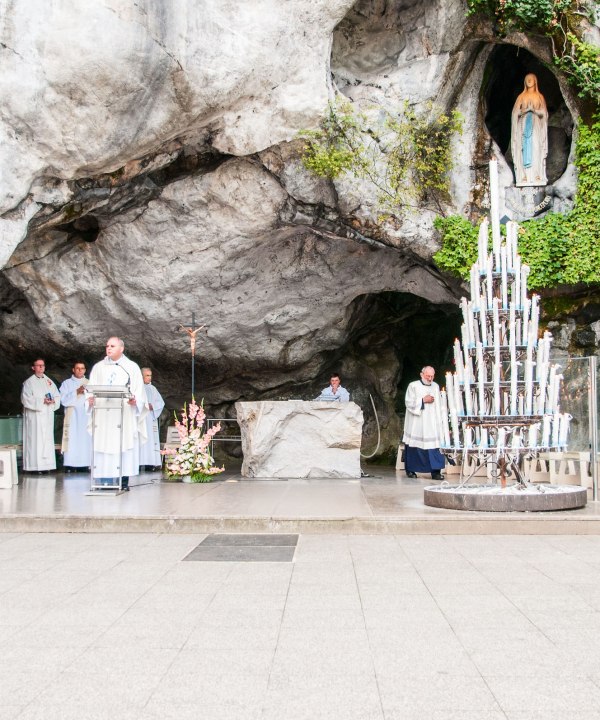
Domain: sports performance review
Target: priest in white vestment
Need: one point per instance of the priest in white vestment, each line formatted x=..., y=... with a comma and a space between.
x=150, y=456
x=111, y=459
x=423, y=427
x=40, y=399
x=77, y=439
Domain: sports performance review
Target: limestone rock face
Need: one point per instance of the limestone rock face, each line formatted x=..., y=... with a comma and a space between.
x=149, y=170
x=300, y=439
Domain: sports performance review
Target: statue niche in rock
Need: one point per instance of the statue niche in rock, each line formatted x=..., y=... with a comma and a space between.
x=529, y=135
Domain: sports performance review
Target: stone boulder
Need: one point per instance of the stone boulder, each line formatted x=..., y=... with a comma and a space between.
x=297, y=439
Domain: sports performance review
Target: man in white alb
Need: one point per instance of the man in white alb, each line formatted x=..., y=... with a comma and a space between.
x=117, y=369
x=40, y=399
x=76, y=440
x=422, y=427
x=150, y=456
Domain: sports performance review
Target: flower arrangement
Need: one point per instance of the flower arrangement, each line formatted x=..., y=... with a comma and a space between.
x=192, y=457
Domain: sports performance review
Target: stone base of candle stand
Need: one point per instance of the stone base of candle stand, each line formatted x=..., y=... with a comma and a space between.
x=514, y=498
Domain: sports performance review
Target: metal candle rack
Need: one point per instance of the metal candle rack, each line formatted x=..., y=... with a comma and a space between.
x=501, y=405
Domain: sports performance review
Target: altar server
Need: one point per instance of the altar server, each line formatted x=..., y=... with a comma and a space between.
x=422, y=427
x=117, y=369
x=150, y=456
x=76, y=439
x=40, y=399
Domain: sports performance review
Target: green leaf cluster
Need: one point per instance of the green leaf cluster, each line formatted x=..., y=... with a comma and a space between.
x=560, y=21
x=560, y=248
x=406, y=157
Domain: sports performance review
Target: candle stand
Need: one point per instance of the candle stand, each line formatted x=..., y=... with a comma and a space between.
x=501, y=405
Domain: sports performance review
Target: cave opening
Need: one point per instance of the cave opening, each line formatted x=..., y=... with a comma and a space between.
x=503, y=81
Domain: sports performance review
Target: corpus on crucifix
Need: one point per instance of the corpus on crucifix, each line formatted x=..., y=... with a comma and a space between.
x=192, y=331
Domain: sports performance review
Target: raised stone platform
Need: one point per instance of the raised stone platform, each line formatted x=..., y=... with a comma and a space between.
x=514, y=498
x=298, y=439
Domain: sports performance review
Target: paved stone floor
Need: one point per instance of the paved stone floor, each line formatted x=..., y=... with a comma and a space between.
x=385, y=501
x=356, y=627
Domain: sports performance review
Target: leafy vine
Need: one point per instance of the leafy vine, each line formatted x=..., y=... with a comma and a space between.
x=406, y=158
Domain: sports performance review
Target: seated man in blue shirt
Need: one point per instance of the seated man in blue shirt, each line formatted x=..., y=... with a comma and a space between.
x=335, y=392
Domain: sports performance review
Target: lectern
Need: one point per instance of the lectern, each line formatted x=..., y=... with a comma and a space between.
x=107, y=418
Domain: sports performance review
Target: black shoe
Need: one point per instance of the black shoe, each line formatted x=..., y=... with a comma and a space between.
x=411, y=474
x=437, y=476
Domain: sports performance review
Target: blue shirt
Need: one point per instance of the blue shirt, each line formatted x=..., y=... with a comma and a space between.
x=342, y=395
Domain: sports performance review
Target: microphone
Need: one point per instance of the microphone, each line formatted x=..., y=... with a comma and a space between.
x=128, y=383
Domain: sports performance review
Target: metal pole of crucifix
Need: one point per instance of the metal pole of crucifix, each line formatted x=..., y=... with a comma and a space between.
x=192, y=331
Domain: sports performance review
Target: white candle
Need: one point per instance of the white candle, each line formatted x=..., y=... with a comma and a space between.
x=489, y=282
x=556, y=400
x=445, y=425
x=525, y=327
x=457, y=398
x=496, y=323
x=524, y=275
x=480, y=380
x=483, y=442
x=495, y=211
x=532, y=438
x=482, y=243
x=542, y=379
x=468, y=433
x=563, y=431
x=546, y=421
x=551, y=384
x=516, y=293
x=450, y=391
x=458, y=361
x=501, y=443
x=503, y=263
x=496, y=384
x=555, y=429
x=529, y=381
x=515, y=440
x=535, y=317
x=514, y=389
x=483, y=321
x=455, y=433
x=475, y=284
x=468, y=397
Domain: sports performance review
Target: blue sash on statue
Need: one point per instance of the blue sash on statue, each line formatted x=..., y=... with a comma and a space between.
x=527, y=141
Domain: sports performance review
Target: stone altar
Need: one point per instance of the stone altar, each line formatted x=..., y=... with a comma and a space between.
x=300, y=439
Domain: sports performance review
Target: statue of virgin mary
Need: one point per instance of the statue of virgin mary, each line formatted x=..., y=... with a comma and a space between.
x=529, y=135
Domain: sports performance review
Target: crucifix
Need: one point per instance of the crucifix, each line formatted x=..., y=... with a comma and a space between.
x=192, y=331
